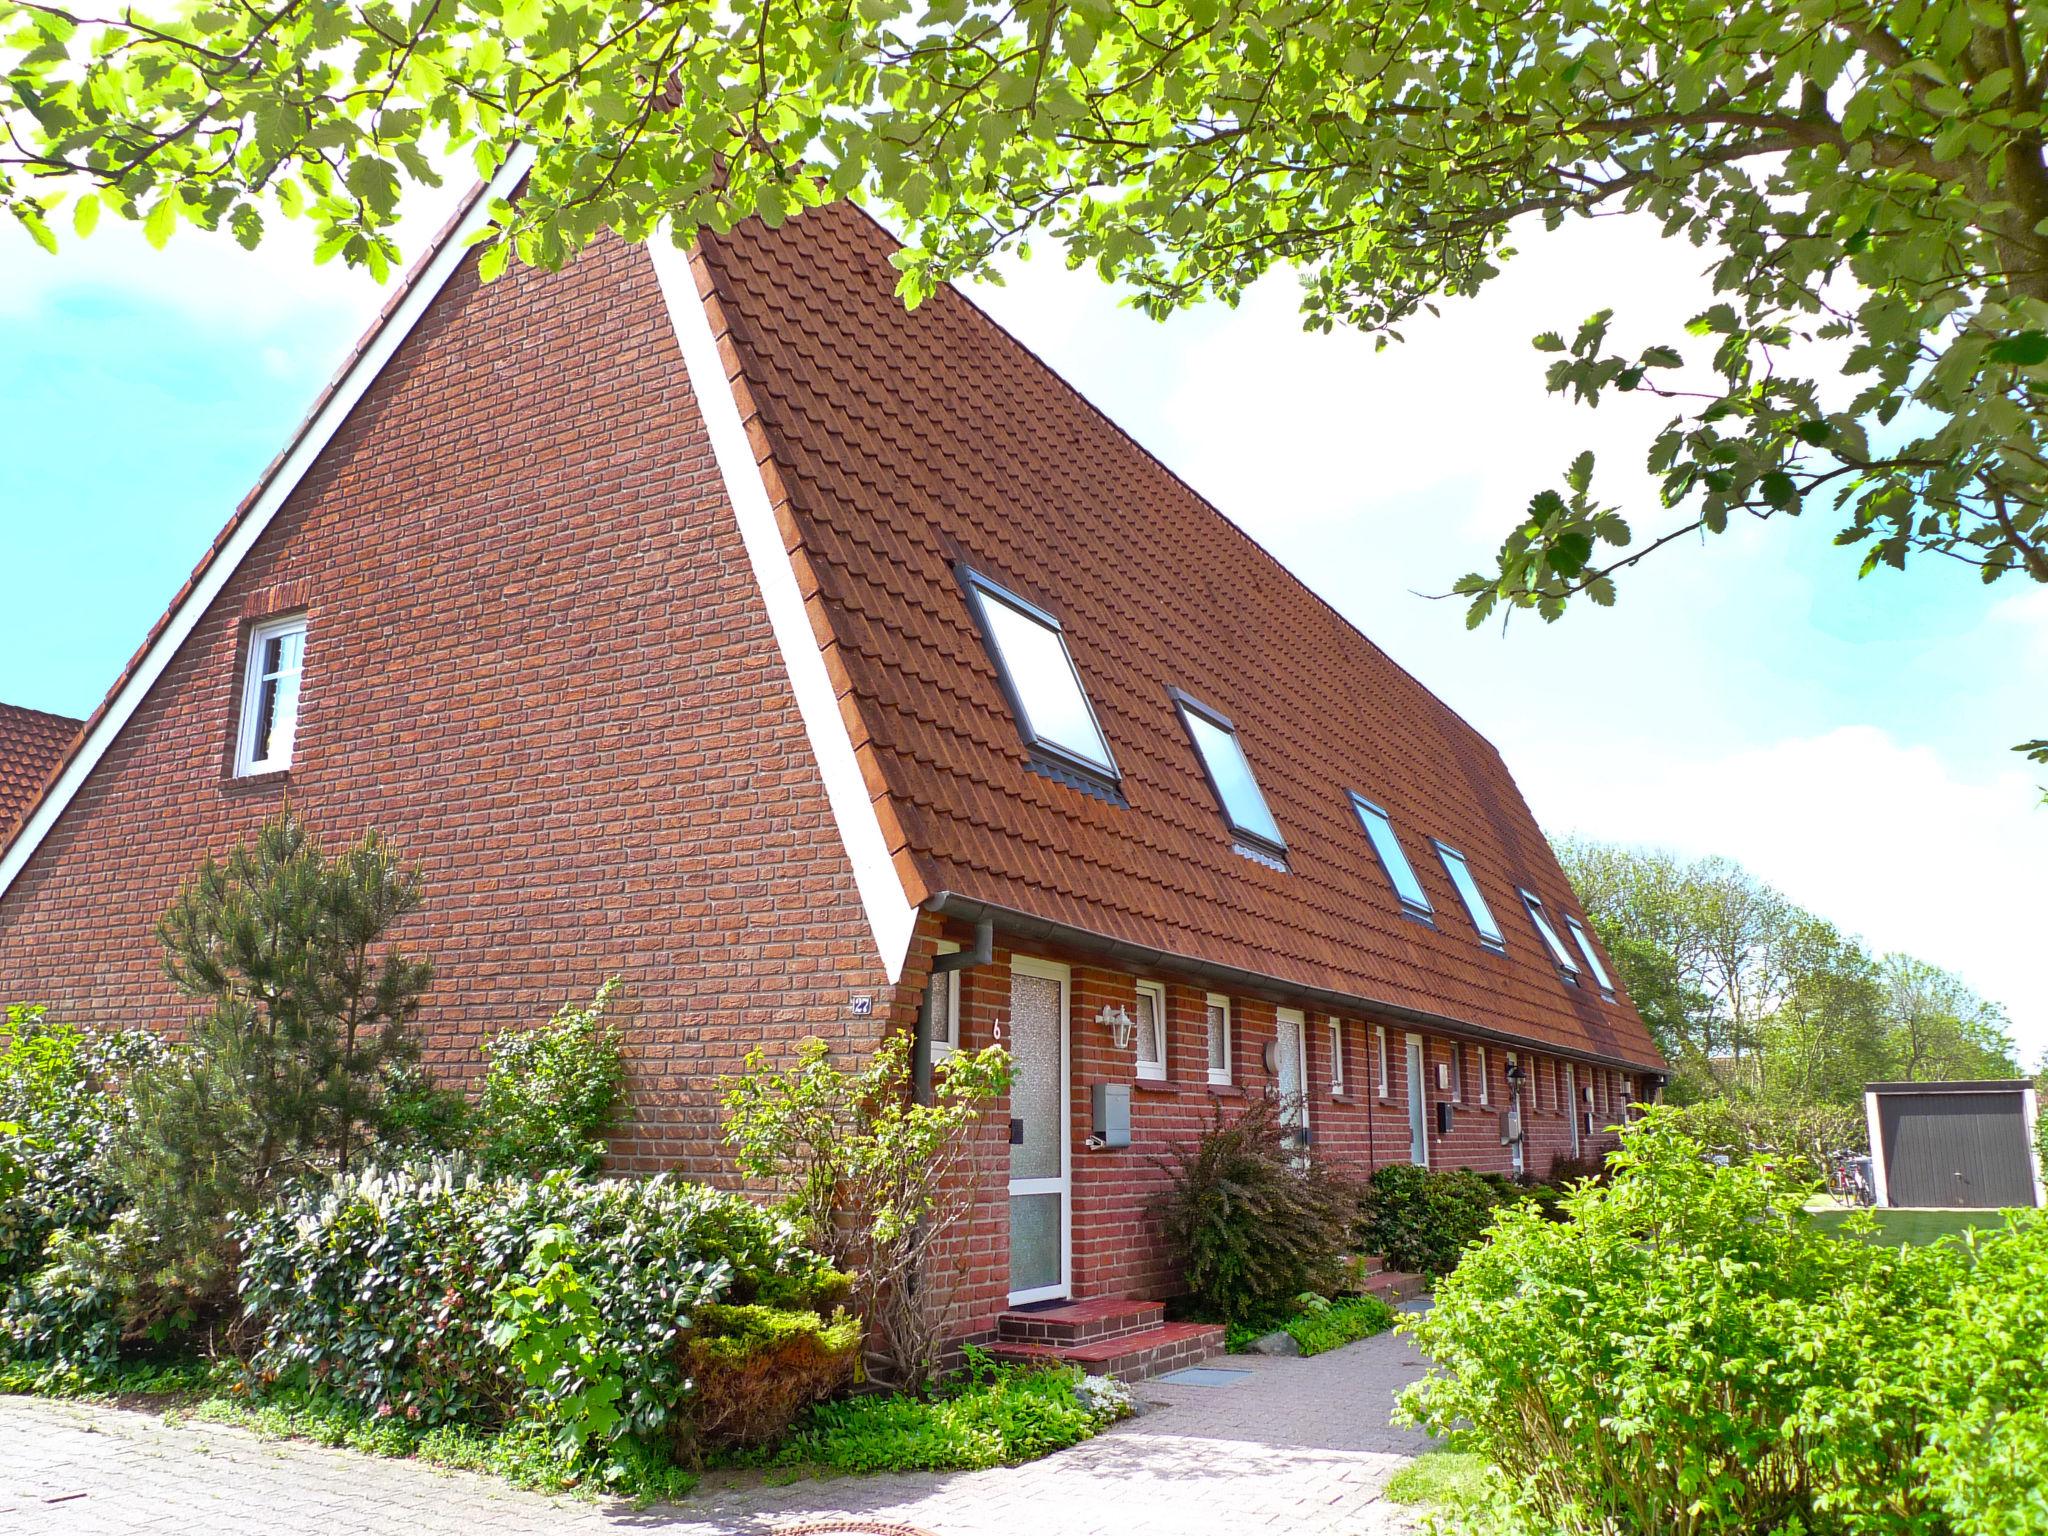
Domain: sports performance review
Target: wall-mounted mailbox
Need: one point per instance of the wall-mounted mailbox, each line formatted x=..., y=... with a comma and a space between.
x=1443, y=1117
x=1113, y=1114
x=1510, y=1127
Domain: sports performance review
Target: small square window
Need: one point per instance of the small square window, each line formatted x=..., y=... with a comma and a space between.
x=1585, y=942
x=1151, y=1010
x=1548, y=935
x=1467, y=887
x=1231, y=778
x=1379, y=830
x=1219, y=1038
x=1041, y=681
x=945, y=1007
x=1485, y=1090
x=1379, y=1045
x=270, y=696
x=1336, y=1057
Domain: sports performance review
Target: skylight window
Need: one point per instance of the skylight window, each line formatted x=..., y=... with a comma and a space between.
x=1039, y=677
x=1548, y=934
x=1230, y=776
x=1474, y=898
x=1379, y=826
x=1585, y=942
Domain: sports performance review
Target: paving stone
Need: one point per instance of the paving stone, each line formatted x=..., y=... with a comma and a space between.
x=1301, y=1445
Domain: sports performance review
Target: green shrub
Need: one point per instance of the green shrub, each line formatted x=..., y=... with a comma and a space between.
x=1254, y=1221
x=380, y=1289
x=551, y=1093
x=754, y=1369
x=1321, y=1325
x=1687, y=1354
x=996, y=1416
x=1422, y=1221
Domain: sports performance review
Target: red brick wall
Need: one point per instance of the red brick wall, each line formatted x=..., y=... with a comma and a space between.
x=537, y=660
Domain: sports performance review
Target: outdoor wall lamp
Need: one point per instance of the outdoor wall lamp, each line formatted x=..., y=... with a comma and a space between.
x=1123, y=1029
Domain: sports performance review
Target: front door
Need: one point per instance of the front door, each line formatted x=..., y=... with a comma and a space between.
x=1418, y=1105
x=1040, y=1138
x=1291, y=1070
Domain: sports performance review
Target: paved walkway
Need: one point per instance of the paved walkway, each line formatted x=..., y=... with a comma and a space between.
x=1303, y=1446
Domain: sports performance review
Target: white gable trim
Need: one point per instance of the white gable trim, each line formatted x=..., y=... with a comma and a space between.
x=890, y=913
x=312, y=440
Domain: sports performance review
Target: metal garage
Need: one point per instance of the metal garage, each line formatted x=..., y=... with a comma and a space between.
x=1953, y=1144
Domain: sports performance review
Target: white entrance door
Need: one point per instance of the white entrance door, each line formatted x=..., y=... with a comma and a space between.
x=1041, y=1142
x=1520, y=1162
x=1291, y=1070
x=1418, y=1105
x=1571, y=1103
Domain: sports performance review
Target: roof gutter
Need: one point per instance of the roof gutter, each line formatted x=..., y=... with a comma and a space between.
x=987, y=915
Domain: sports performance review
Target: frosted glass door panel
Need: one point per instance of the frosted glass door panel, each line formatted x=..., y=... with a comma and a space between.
x=1036, y=1106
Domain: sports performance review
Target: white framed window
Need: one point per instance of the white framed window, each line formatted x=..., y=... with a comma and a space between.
x=1541, y=921
x=945, y=1007
x=270, y=696
x=1379, y=1046
x=1230, y=777
x=1219, y=1038
x=1379, y=831
x=1585, y=942
x=1039, y=677
x=1458, y=1071
x=1467, y=887
x=1336, y=1057
x=1485, y=1086
x=1151, y=1010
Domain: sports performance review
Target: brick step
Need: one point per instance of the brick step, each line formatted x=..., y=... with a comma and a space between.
x=1080, y=1322
x=1128, y=1356
x=1392, y=1285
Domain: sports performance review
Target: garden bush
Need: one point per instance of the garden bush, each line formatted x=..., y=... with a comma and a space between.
x=1253, y=1221
x=551, y=1093
x=754, y=1369
x=1422, y=1221
x=1690, y=1354
x=382, y=1288
x=1320, y=1325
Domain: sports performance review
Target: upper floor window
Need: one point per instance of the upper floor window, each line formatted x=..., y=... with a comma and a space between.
x=1468, y=890
x=1040, y=680
x=1585, y=942
x=1230, y=776
x=1379, y=827
x=270, y=696
x=1219, y=1038
x=1548, y=934
x=1151, y=1009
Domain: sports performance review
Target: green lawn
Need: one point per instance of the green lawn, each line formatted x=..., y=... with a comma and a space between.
x=1897, y=1228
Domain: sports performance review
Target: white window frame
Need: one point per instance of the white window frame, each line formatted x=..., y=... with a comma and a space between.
x=1336, y=1033
x=950, y=980
x=1458, y=1071
x=1154, y=1072
x=1379, y=1040
x=247, y=762
x=1485, y=1092
x=1219, y=1077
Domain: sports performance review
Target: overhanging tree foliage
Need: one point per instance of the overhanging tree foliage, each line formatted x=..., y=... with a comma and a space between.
x=1861, y=174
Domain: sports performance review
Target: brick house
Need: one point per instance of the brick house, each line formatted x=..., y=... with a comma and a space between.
x=823, y=668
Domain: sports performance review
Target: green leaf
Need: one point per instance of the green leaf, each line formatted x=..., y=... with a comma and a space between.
x=1568, y=553
x=2029, y=349
x=85, y=215
x=161, y=221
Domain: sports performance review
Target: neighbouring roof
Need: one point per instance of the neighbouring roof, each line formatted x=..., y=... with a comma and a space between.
x=909, y=441
x=31, y=742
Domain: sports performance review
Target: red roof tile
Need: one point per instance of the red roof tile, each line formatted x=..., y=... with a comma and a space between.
x=904, y=441
x=31, y=743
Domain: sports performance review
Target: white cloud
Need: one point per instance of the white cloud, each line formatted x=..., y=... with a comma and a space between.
x=1884, y=839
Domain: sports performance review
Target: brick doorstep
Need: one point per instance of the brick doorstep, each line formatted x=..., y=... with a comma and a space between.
x=1081, y=1322
x=1127, y=1357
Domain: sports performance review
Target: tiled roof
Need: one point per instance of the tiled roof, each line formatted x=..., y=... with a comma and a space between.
x=906, y=441
x=31, y=742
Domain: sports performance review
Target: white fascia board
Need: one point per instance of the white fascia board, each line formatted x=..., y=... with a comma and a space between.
x=889, y=911
x=1880, y=1183
x=313, y=439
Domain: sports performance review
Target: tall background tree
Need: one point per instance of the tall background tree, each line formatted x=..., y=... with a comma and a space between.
x=1867, y=181
x=1754, y=999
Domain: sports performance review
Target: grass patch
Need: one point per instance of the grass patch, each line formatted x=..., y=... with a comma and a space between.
x=151, y=1379
x=1458, y=1478
x=1315, y=1325
x=1902, y=1227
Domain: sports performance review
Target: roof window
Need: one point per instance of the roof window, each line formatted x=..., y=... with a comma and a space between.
x=1041, y=682
x=1230, y=776
x=1548, y=934
x=1467, y=886
x=1379, y=827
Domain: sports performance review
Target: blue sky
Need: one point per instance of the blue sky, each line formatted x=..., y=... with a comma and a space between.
x=1847, y=740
